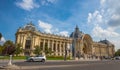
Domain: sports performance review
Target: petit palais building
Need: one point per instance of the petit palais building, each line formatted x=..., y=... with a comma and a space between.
x=77, y=45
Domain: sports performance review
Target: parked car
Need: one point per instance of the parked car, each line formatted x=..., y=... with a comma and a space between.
x=40, y=58
x=117, y=58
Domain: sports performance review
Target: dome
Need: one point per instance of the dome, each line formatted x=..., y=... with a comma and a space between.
x=105, y=42
x=76, y=33
x=30, y=26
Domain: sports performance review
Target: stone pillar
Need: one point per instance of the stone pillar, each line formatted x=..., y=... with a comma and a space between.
x=18, y=38
x=39, y=42
x=32, y=45
x=21, y=42
x=52, y=42
x=48, y=44
x=63, y=48
x=43, y=44
x=60, y=49
x=24, y=42
x=56, y=49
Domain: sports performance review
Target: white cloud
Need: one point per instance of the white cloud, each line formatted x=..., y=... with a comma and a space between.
x=112, y=14
x=105, y=21
x=47, y=2
x=102, y=2
x=48, y=28
x=104, y=33
x=64, y=33
x=114, y=20
x=89, y=17
x=45, y=26
x=2, y=40
x=95, y=17
x=117, y=43
x=27, y=4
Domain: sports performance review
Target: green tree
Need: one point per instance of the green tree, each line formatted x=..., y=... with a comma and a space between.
x=8, y=43
x=1, y=49
x=0, y=36
x=9, y=48
x=117, y=53
x=48, y=51
x=18, y=49
x=37, y=50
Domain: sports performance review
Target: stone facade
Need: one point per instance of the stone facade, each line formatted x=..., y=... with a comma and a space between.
x=85, y=47
x=77, y=45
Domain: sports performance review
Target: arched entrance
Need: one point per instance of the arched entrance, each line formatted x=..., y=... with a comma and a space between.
x=87, y=46
x=27, y=46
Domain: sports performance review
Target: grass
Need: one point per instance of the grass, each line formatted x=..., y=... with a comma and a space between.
x=56, y=58
x=24, y=57
x=14, y=57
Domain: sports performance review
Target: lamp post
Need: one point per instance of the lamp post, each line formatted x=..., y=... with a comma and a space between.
x=67, y=51
x=100, y=52
x=65, y=57
x=74, y=48
x=10, y=61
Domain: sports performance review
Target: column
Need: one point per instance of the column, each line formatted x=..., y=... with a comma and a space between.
x=52, y=43
x=48, y=44
x=63, y=48
x=24, y=41
x=17, y=39
x=60, y=48
x=22, y=38
x=56, y=49
x=39, y=42
x=43, y=44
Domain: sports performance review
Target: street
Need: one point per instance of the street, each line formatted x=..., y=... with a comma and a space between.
x=70, y=65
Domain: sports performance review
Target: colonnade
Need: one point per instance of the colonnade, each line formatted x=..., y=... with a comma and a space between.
x=57, y=45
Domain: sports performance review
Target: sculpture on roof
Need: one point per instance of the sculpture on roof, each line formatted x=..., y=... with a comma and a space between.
x=30, y=26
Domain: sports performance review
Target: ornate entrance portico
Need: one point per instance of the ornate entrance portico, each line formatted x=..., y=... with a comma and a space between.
x=82, y=44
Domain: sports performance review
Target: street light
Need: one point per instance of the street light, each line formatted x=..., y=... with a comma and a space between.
x=65, y=57
x=67, y=49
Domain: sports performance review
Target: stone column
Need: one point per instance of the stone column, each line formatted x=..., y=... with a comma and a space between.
x=39, y=42
x=18, y=38
x=24, y=41
x=60, y=49
x=43, y=44
x=21, y=39
x=32, y=45
x=48, y=44
x=52, y=44
x=56, y=49
x=63, y=48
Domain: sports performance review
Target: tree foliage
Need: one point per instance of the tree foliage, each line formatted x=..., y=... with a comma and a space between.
x=37, y=50
x=18, y=49
x=48, y=50
x=8, y=43
x=1, y=48
x=9, y=48
x=117, y=53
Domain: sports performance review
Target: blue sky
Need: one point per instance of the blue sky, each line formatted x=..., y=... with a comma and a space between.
x=99, y=18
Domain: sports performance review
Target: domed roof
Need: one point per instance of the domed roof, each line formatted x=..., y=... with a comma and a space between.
x=106, y=42
x=76, y=33
x=30, y=26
